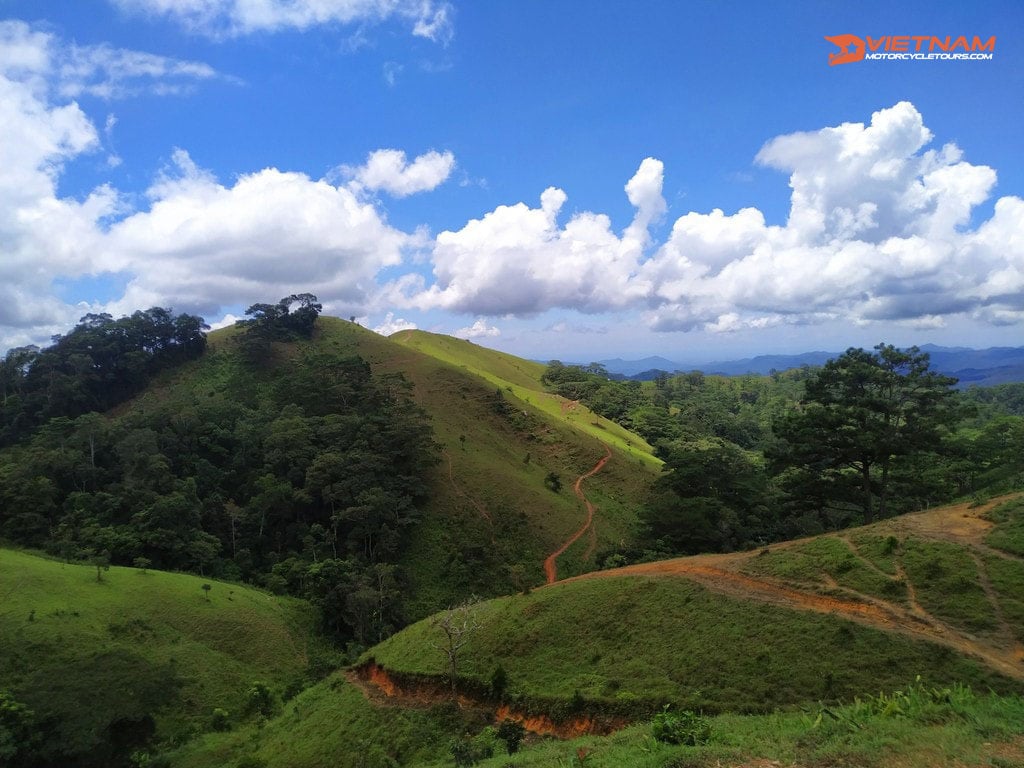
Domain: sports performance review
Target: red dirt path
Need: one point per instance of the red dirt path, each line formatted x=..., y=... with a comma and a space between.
x=550, y=564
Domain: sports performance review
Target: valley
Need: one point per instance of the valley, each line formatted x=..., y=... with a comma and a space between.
x=379, y=495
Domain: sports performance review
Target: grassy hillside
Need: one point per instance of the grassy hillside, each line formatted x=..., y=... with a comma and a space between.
x=491, y=520
x=522, y=379
x=638, y=642
x=788, y=630
x=334, y=726
x=95, y=660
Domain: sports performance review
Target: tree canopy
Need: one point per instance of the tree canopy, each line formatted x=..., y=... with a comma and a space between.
x=864, y=416
x=99, y=363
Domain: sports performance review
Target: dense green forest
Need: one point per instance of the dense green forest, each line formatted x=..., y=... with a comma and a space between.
x=754, y=459
x=100, y=363
x=301, y=474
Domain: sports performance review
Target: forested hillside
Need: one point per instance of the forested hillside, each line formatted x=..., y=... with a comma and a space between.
x=755, y=459
x=282, y=466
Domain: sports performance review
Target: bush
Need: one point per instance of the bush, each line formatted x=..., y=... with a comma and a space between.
x=220, y=720
x=512, y=733
x=469, y=751
x=462, y=752
x=686, y=728
x=260, y=700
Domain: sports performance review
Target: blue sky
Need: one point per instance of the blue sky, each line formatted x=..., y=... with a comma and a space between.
x=556, y=179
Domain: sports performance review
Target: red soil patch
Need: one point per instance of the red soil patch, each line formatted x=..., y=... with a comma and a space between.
x=550, y=564
x=383, y=688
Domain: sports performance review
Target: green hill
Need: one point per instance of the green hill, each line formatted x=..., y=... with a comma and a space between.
x=105, y=663
x=490, y=520
x=258, y=443
x=932, y=597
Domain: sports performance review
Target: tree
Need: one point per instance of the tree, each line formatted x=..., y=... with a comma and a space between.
x=709, y=497
x=862, y=414
x=17, y=732
x=260, y=699
x=277, y=322
x=101, y=562
x=456, y=626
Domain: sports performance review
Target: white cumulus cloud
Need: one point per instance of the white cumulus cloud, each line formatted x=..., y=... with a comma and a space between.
x=521, y=260
x=387, y=170
x=394, y=324
x=478, y=330
x=203, y=244
x=879, y=230
x=198, y=244
x=875, y=233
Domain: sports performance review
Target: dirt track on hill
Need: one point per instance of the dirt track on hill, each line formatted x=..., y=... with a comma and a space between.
x=551, y=564
x=958, y=523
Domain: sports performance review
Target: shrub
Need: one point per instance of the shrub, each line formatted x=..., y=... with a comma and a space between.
x=261, y=699
x=463, y=752
x=512, y=733
x=469, y=751
x=220, y=720
x=686, y=728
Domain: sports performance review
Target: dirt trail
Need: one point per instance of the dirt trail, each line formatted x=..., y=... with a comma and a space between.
x=865, y=562
x=550, y=564
x=958, y=523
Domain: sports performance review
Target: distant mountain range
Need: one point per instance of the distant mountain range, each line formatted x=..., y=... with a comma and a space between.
x=973, y=367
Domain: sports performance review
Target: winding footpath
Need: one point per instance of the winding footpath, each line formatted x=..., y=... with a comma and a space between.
x=551, y=564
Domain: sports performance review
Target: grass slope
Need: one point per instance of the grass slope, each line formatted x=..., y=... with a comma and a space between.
x=334, y=726
x=83, y=653
x=638, y=642
x=681, y=632
x=521, y=378
x=491, y=520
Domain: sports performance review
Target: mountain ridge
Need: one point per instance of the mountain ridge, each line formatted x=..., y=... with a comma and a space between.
x=978, y=367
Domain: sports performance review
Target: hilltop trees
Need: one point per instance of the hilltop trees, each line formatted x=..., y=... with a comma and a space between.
x=277, y=322
x=864, y=417
x=101, y=362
